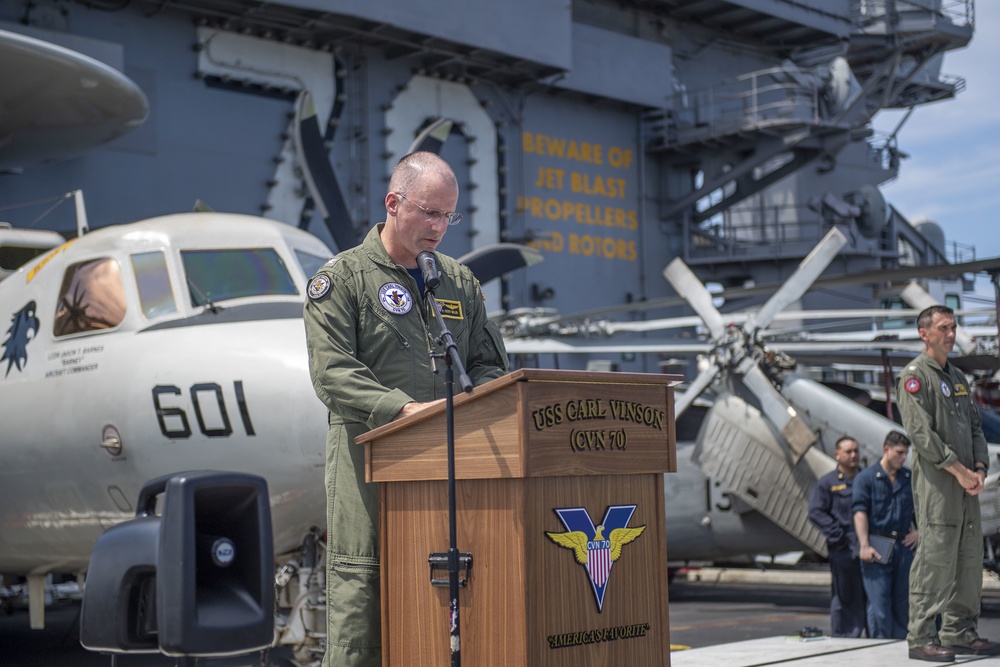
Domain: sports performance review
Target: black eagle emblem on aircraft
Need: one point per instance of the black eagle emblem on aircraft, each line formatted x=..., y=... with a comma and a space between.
x=22, y=330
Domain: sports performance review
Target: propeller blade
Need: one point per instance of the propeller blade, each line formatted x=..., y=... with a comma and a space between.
x=687, y=285
x=800, y=281
x=694, y=390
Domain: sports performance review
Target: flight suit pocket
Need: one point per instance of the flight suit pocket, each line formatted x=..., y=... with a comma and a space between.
x=379, y=325
x=491, y=342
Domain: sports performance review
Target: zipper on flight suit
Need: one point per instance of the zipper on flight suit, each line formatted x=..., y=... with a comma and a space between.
x=421, y=310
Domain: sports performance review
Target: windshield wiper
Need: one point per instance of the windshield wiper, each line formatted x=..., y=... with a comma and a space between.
x=206, y=301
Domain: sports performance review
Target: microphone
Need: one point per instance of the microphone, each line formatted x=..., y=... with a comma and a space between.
x=429, y=269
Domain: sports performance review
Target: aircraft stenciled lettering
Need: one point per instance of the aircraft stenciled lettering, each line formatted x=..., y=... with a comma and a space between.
x=716, y=497
x=72, y=360
x=22, y=330
x=212, y=417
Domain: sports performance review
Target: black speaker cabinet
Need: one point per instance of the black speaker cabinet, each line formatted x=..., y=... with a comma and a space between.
x=197, y=580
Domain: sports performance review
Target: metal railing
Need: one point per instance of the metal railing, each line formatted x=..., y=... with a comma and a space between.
x=756, y=232
x=957, y=12
x=767, y=98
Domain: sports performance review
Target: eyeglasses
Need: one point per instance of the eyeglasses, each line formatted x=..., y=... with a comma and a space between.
x=432, y=214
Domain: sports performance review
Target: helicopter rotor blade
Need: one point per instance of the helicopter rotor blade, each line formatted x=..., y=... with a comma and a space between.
x=796, y=432
x=809, y=269
x=694, y=390
x=687, y=284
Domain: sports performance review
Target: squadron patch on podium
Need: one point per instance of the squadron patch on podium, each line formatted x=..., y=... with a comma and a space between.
x=596, y=547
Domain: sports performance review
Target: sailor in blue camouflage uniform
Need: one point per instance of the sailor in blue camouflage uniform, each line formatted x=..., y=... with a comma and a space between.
x=830, y=511
x=369, y=341
x=950, y=463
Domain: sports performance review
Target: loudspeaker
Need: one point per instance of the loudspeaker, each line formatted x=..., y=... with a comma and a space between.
x=198, y=580
x=119, y=599
x=215, y=575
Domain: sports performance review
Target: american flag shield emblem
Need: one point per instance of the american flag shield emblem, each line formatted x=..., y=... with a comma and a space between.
x=596, y=547
x=599, y=561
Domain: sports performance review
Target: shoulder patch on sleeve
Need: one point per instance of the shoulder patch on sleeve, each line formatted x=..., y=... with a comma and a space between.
x=319, y=286
x=912, y=385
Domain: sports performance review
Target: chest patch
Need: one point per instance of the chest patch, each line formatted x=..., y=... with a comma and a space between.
x=395, y=298
x=945, y=388
x=450, y=310
x=960, y=390
x=912, y=385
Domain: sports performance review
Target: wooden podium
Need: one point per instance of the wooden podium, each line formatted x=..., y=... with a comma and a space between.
x=552, y=466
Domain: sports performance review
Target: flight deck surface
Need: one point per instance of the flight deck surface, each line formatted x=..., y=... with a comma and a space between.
x=814, y=652
x=728, y=618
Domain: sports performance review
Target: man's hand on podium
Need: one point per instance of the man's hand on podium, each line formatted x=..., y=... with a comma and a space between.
x=414, y=407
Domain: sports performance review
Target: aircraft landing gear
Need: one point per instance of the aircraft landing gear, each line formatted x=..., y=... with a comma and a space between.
x=300, y=620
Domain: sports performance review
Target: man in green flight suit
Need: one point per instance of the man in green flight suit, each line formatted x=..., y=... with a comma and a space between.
x=949, y=467
x=370, y=345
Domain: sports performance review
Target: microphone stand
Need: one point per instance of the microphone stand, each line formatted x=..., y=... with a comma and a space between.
x=453, y=361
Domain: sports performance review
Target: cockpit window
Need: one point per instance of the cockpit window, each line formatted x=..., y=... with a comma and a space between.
x=91, y=298
x=153, y=281
x=310, y=263
x=217, y=275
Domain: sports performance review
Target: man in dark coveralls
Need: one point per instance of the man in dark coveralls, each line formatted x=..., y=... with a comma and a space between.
x=830, y=511
x=950, y=462
x=883, y=507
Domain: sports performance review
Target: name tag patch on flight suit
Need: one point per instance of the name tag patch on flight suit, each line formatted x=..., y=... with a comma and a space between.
x=945, y=389
x=318, y=287
x=395, y=298
x=450, y=310
x=913, y=385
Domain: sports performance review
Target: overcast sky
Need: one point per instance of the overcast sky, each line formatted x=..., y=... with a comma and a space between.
x=953, y=173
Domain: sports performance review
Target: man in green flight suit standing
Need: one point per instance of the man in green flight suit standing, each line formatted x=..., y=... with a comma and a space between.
x=949, y=467
x=368, y=332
